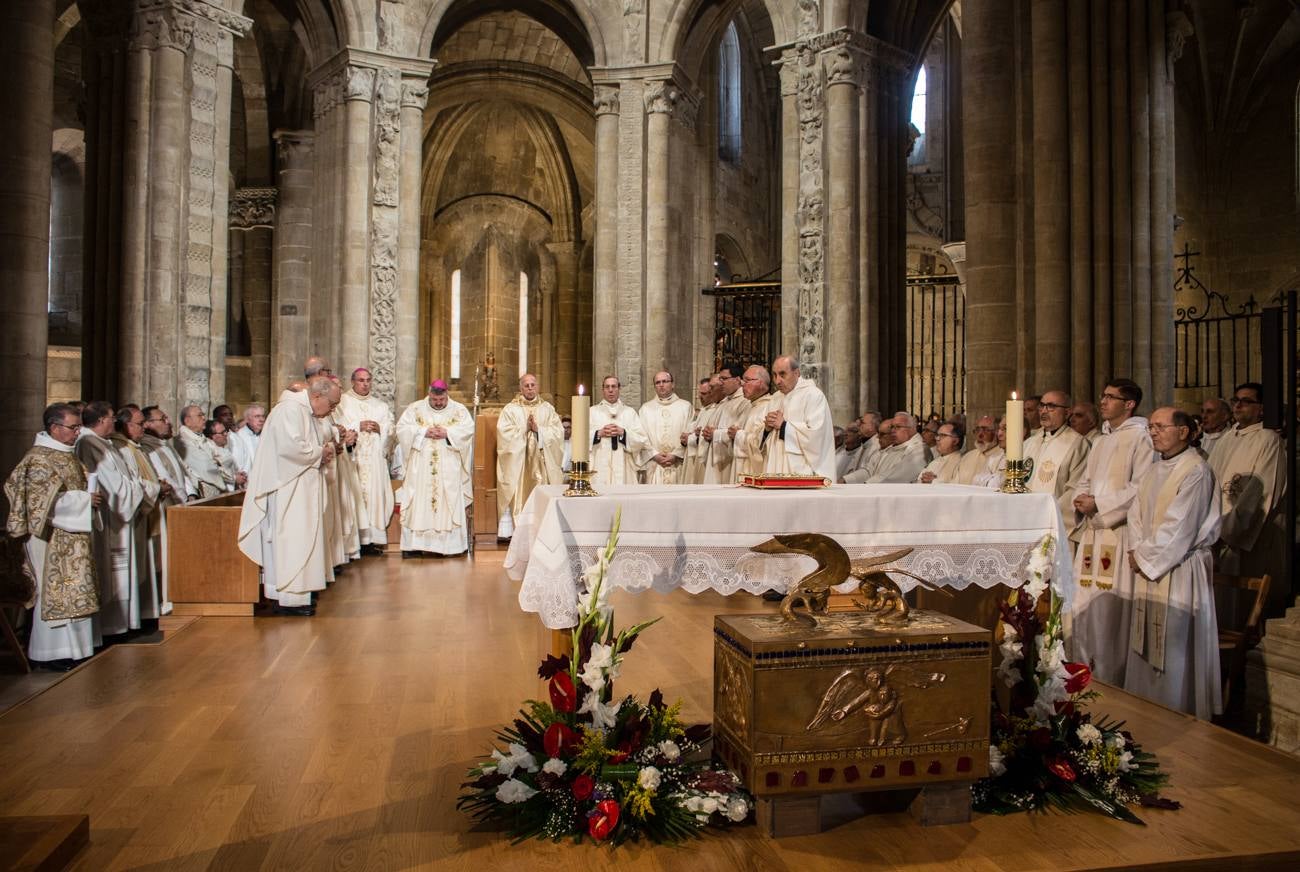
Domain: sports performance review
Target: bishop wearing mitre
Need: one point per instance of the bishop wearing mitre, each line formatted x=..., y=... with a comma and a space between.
x=747, y=438
x=664, y=419
x=369, y=417
x=800, y=436
x=282, y=523
x=436, y=436
x=616, y=438
x=719, y=457
x=530, y=449
x=52, y=513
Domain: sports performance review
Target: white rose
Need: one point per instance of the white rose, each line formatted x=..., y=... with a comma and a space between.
x=554, y=766
x=649, y=778
x=737, y=809
x=693, y=804
x=512, y=791
x=709, y=805
x=997, y=763
x=670, y=751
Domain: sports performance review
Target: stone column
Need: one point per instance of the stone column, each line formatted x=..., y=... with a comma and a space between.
x=26, y=104
x=564, y=381
x=292, y=258
x=252, y=220
x=415, y=93
x=989, y=121
x=605, y=292
x=211, y=128
x=789, y=202
x=354, y=308
x=842, y=218
x=661, y=100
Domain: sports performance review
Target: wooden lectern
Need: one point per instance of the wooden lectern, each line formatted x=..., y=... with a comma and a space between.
x=207, y=574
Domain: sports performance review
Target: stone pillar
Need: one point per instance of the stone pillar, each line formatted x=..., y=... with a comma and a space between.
x=605, y=292
x=1081, y=226
x=661, y=100
x=789, y=202
x=415, y=93
x=842, y=221
x=323, y=326
x=26, y=104
x=564, y=380
x=292, y=258
x=989, y=122
x=354, y=308
x=252, y=220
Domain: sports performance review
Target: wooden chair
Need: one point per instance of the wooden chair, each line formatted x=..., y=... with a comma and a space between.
x=1233, y=643
x=16, y=591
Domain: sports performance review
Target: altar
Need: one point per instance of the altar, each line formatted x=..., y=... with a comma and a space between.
x=698, y=537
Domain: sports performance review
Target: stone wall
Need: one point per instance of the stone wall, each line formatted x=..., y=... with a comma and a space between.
x=63, y=374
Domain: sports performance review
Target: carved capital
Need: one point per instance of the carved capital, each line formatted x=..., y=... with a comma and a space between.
x=251, y=208
x=415, y=94
x=605, y=99
x=293, y=147
x=842, y=67
x=162, y=27
x=358, y=83
x=661, y=97
x=1177, y=28
x=232, y=23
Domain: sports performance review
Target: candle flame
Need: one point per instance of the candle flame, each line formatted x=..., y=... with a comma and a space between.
x=1013, y=395
x=581, y=390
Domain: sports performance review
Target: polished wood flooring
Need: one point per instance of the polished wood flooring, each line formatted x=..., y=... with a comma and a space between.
x=338, y=743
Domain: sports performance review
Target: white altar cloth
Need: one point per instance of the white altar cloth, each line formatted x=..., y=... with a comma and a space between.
x=698, y=537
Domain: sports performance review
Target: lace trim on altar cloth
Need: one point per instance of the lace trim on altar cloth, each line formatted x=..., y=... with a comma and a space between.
x=728, y=570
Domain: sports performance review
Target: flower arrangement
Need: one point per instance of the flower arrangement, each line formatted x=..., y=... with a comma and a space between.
x=1047, y=750
x=584, y=763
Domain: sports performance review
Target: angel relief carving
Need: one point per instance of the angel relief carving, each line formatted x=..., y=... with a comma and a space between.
x=868, y=700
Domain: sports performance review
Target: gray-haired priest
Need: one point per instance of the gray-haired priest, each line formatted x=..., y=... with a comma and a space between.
x=800, y=439
x=436, y=435
x=530, y=448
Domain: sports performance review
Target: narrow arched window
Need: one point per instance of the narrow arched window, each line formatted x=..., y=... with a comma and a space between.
x=455, y=324
x=918, y=116
x=523, y=323
x=729, y=95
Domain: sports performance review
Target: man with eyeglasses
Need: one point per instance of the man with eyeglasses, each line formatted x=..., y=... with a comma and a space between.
x=986, y=457
x=1216, y=420
x=51, y=507
x=1173, y=636
x=1099, y=520
x=720, y=460
x=902, y=462
x=1059, y=453
x=1248, y=464
x=944, y=467
x=1083, y=418
x=664, y=418
x=751, y=456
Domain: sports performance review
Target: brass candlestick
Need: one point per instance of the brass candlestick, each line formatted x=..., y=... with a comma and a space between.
x=1016, y=478
x=580, y=480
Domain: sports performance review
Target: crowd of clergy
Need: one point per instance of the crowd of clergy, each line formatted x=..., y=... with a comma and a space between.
x=1155, y=505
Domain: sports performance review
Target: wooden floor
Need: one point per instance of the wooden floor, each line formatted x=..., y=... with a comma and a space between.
x=338, y=743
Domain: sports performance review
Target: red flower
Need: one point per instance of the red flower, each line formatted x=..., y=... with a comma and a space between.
x=603, y=820
x=559, y=739
x=583, y=786
x=1061, y=769
x=1080, y=677
x=563, y=696
x=1040, y=739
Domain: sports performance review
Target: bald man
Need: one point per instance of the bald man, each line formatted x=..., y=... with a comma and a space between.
x=664, y=419
x=530, y=449
x=798, y=424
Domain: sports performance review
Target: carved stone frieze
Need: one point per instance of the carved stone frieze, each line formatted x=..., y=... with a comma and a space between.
x=388, y=128
x=251, y=208
x=810, y=107
x=810, y=17
x=232, y=22
x=634, y=28
x=327, y=95
x=162, y=27
x=605, y=99
x=383, y=303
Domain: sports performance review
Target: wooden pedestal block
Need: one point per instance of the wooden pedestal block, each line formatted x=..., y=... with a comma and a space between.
x=783, y=816
x=207, y=574
x=485, y=516
x=942, y=804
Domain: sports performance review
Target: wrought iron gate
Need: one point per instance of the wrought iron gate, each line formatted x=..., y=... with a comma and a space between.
x=746, y=322
x=1216, y=343
x=936, y=345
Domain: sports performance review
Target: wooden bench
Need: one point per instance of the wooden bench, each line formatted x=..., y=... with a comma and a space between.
x=207, y=574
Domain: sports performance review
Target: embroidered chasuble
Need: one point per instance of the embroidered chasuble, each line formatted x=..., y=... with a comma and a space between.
x=750, y=448
x=1250, y=467
x=525, y=459
x=664, y=421
x=1173, y=655
x=1100, y=612
x=439, y=484
x=282, y=523
x=719, y=456
x=696, y=447
x=371, y=456
x=1059, y=460
x=615, y=460
x=944, y=467
x=805, y=442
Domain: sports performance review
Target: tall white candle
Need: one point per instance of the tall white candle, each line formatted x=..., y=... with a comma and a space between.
x=581, y=439
x=1015, y=424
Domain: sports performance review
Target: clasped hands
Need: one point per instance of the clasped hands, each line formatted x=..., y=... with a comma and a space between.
x=773, y=419
x=1085, y=504
x=610, y=431
x=436, y=432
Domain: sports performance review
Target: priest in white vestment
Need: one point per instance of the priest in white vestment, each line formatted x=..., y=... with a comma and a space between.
x=437, y=439
x=947, y=461
x=1083, y=418
x=243, y=442
x=530, y=448
x=799, y=427
x=906, y=459
x=151, y=524
x=618, y=444
x=196, y=453
x=1216, y=421
x=116, y=547
x=566, y=463
x=1059, y=453
x=663, y=420
x=847, y=455
x=710, y=394
x=980, y=459
x=1250, y=467
x=159, y=446
x=719, y=456
x=282, y=524
x=1098, y=622
x=994, y=474
x=372, y=420
x=751, y=456
x=1173, y=655
x=219, y=444
x=50, y=507
x=340, y=512
x=885, y=448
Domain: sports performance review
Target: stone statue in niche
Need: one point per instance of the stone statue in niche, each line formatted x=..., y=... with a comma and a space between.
x=488, y=389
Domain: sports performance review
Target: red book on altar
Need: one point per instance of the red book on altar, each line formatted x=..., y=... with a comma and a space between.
x=784, y=482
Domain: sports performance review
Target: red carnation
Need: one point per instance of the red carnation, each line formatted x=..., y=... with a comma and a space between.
x=1061, y=769
x=583, y=786
x=1080, y=677
x=563, y=696
x=559, y=739
x=603, y=820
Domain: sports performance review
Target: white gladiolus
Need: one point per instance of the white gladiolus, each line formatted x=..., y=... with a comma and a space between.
x=997, y=763
x=649, y=778
x=602, y=715
x=1126, y=763
x=555, y=766
x=518, y=758
x=513, y=790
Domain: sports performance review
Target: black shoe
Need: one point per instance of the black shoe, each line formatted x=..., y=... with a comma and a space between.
x=773, y=596
x=503, y=540
x=148, y=626
x=294, y=611
x=372, y=550
x=410, y=555
x=64, y=665
x=338, y=570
